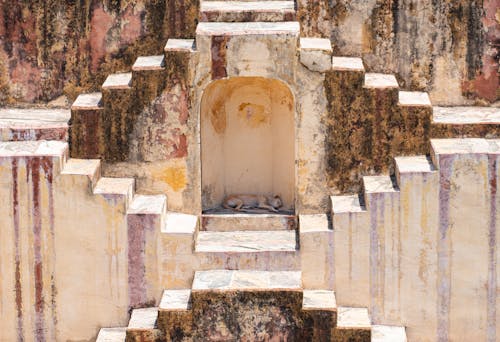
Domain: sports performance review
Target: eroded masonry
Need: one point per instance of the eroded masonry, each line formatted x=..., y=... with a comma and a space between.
x=250, y=185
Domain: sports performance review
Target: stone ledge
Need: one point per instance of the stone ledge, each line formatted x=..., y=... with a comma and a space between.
x=91, y=101
x=112, y=335
x=347, y=64
x=248, y=28
x=114, y=186
x=380, y=81
x=353, y=318
x=145, y=63
x=254, y=6
x=246, y=280
x=33, y=148
x=416, y=164
x=346, y=204
x=378, y=184
x=315, y=54
x=175, y=300
x=118, y=81
x=181, y=45
x=143, y=319
x=148, y=204
x=414, y=99
x=246, y=242
x=319, y=300
x=466, y=115
x=384, y=333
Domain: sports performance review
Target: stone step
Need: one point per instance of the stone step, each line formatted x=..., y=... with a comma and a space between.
x=116, y=189
x=291, y=28
x=316, y=248
x=446, y=147
x=380, y=81
x=226, y=222
x=91, y=101
x=319, y=300
x=257, y=250
x=231, y=280
x=378, y=184
x=409, y=166
x=55, y=151
x=316, y=54
x=112, y=335
x=385, y=333
x=465, y=122
x=180, y=45
x=354, y=64
x=351, y=226
x=353, y=324
x=414, y=99
x=142, y=325
x=149, y=63
x=148, y=205
x=84, y=167
x=118, y=81
x=247, y=11
x=18, y=124
x=174, y=314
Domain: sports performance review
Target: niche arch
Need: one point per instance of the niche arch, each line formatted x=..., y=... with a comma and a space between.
x=247, y=140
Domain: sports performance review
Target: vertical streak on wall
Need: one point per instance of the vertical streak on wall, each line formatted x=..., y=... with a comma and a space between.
x=443, y=248
x=48, y=168
x=37, y=247
x=137, y=224
x=377, y=253
x=492, y=239
x=15, y=217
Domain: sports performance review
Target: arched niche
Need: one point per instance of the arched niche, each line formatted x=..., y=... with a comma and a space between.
x=247, y=140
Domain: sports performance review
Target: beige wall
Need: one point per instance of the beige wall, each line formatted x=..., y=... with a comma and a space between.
x=247, y=140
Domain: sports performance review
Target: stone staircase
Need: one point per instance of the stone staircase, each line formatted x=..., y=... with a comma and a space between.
x=250, y=305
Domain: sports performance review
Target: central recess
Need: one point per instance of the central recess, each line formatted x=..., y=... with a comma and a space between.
x=247, y=140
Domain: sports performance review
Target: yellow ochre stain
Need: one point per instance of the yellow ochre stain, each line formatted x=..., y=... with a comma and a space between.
x=175, y=177
x=254, y=114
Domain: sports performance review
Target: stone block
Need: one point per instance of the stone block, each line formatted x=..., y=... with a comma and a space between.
x=316, y=54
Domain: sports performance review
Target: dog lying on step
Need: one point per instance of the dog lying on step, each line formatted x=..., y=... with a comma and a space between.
x=246, y=203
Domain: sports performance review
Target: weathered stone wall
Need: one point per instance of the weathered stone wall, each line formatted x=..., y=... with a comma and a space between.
x=55, y=47
x=449, y=48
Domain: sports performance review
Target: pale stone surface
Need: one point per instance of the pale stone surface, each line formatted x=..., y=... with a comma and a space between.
x=29, y=117
x=246, y=241
x=234, y=29
x=466, y=115
x=384, y=333
x=315, y=54
x=149, y=63
x=187, y=45
x=347, y=64
x=111, y=335
x=143, y=319
x=148, y=204
x=178, y=223
x=118, y=186
x=313, y=223
x=349, y=318
x=316, y=248
x=118, y=81
x=85, y=167
x=235, y=6
x=88, y=102
x=414, y=98
x=175, y=300
x=373, y=80
x=414, y=164
x=459, y=146
x=378, y=184
x=246, y=280
x=33, y=148
x=346, y=204
x=319, y=300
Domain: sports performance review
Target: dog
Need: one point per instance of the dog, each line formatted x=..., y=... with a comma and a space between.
x=246, y=202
